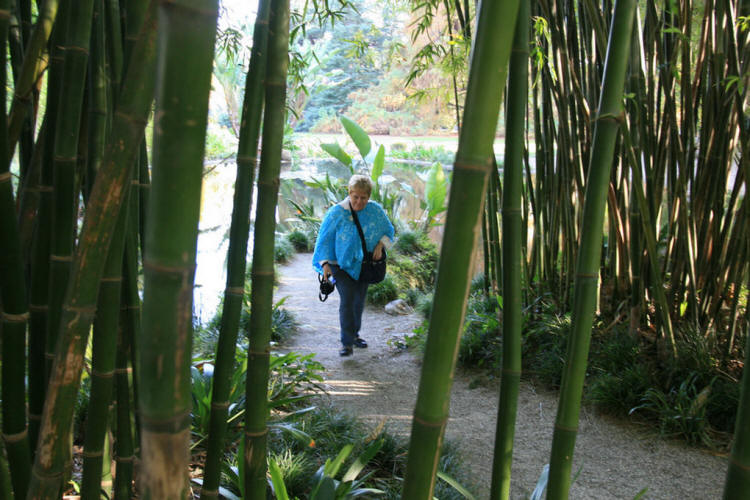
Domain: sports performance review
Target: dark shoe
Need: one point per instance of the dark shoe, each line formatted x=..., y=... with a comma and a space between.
x=360, y=342
x=346, y=351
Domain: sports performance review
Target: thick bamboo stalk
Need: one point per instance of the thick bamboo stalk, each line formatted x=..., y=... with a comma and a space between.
x=186, y=34
x=587, y=268
x=104, y=353
x=236, y=259
x=14, y=312
x=491, y=52
x=65, y=198
x=737, y=484
x=101, y=215
x=512, y=257
x=256, y=393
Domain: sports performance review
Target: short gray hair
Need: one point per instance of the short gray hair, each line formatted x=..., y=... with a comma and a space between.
x=360, y=182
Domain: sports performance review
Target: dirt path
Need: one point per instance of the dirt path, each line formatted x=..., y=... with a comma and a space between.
x=616, y=459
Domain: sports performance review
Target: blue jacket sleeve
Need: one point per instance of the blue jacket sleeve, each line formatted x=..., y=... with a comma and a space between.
x=325, y=244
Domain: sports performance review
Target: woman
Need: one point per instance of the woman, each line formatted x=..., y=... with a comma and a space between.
x=338, y=253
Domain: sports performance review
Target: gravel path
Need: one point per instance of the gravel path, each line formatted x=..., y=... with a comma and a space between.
x=616, y=459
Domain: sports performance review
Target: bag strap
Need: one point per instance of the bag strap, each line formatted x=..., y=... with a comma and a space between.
x=359, y=229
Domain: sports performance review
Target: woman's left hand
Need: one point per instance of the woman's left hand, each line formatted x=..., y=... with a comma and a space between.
x=377, y=253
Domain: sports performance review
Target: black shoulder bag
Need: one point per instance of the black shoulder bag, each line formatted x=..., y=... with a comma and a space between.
x=373, y=271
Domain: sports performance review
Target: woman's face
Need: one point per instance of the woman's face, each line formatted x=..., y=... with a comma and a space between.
x=358, y=199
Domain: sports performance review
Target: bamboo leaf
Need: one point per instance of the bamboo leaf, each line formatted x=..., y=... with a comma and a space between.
x=362, y=460
x=277, y=479
x=358, y=135
x=456, y=485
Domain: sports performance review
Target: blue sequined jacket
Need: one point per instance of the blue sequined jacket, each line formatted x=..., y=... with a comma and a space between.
x=338, y=240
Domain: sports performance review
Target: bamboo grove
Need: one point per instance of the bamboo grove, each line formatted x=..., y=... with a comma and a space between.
x=625, y=132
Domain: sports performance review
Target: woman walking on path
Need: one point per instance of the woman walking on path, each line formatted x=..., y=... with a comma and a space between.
x=338, y=253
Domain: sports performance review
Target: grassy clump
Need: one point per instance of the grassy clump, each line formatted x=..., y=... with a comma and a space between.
x=381, y=293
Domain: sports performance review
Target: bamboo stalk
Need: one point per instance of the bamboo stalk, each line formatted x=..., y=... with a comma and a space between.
x=256, y=392
x=101, y=214
x=14, y=312
x=471, y=170
x=605, y=133
x=737, y=483
x=186, y=35
x=512, y=256
x=33, y=65
x=236, y=259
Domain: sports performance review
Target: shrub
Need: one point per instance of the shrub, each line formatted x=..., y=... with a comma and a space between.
x=300, y=241
x=480, y=342
x=544, y=346
x=282, y=250
x=383, y=292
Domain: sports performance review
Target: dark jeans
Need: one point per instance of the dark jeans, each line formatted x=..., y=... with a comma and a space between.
x=352, y=294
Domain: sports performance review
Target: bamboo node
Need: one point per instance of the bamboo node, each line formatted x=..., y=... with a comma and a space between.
x=171, y=425
x=117, y=279
x=101, y=374
x=92, y=454
x=5, y=177
x=209, y=493
x=477, y=167
x=734, y=462
x=261, y=273
x=4, y=14
x=235, y=290
x=69, y=159
x=256, y=434
x=151, y=266
x=128, y=460
x=438, y=424
x=15, y=318
x=38, y=308
x=249, y=158
x=61, y=258
x=566, y=428
x=45, y=189
x=81, y=310
x=15, y=438
x=220, y=406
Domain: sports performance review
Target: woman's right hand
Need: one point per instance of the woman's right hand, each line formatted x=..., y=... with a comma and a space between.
x=327, y=271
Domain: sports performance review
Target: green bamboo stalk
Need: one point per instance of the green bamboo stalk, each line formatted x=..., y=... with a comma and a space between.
x=602, y=154
x=14, y=312
x=33, y=65
x=236, y=260
x=130, y=314
x=493, y=230
x=65, y=198
x=256, y=393
x=513, y=234
x=187, y=31
x=737, y=483
x=98, y=98
x=104, y=353
x=20, y=32
x=101, y=214
x=472, y=166
x=6, y=486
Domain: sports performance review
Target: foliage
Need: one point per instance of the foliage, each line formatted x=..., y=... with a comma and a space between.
x=300, y=240
x=381, y=293
x=481, y=345
x=294, y=378
x=336, y=433
x=436, y=192
x=544, y=342
x=283, y=250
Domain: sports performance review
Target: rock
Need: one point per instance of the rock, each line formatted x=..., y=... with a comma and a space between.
x=398, y=306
